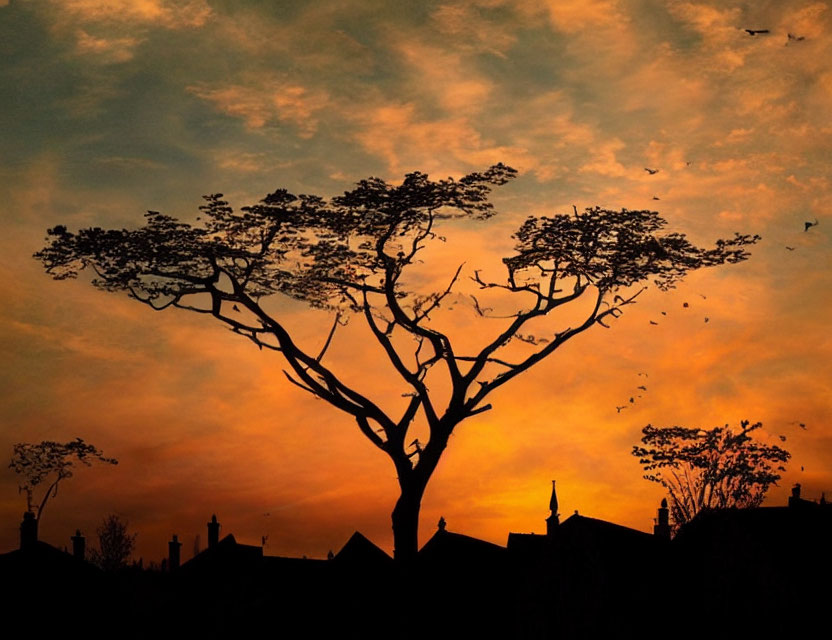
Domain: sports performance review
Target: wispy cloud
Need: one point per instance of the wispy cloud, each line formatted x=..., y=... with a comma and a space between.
x=165, y=13
x=267, y=102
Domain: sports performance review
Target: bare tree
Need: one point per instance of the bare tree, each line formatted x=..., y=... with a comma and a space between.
x=49, y=463
x=713, y=468
x=115, y=544
x=349, y=255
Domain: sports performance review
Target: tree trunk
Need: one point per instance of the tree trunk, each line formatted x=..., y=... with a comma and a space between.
x=406, y=522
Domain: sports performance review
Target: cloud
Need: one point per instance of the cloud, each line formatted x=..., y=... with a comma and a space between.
x=112, y=50
x=396, y=133
x=605, y=162
x=165, y=13
x=267, y=102
x=444, y=77
x=570, y=16
x=468, y=29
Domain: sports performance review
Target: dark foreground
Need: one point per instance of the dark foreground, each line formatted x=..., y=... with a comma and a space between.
x=752, y=573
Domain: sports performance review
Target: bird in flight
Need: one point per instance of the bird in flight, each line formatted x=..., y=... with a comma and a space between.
x=789, y=248
x=618, y=409
x=794, y=38
x=707, y=319
x=754, y=32
x=642, y=387
x=651, y=171
x=651, y=322
x=655, y=198
x=809, y=225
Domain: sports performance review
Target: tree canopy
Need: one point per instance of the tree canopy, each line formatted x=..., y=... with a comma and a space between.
x=50, y=462
x=348, y=254
x=714, y=468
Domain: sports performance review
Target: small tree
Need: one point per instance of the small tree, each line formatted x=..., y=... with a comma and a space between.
x=115, y=545
x=357, y=253
x=48, y=463
x=709, y=468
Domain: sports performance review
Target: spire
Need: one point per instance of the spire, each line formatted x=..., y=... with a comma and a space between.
x=552, y=521
x=553, y=501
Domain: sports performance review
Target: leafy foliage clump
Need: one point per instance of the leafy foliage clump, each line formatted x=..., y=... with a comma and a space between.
x=50, y=462
x=714, y=468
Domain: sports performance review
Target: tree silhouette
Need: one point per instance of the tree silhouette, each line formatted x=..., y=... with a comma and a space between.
x=115, y=545
x=350, y=254
x=709, y=468
x=50, y=462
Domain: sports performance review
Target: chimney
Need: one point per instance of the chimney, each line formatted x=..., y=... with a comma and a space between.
x=662, y=527
x=174, y=547
x=553, y=520
x=79, y=545
x=213, y=532
x=794, y=499
x=28, y=531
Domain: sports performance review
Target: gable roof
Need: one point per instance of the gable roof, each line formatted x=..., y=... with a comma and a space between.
x=359, y=550
x=446, y=546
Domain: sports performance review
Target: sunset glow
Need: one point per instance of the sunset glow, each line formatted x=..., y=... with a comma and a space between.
x=112, y=108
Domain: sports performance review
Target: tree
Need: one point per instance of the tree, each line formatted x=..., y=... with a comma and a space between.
x=350, y=254
x=709, y=468
x=50, y=462
x=115, y=545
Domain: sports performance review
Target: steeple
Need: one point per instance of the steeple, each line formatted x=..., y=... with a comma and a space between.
x=552, y=521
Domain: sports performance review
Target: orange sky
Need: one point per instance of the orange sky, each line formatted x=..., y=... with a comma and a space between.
x=122, y=106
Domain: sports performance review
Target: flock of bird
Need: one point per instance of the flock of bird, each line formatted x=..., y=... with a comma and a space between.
x=636, y=395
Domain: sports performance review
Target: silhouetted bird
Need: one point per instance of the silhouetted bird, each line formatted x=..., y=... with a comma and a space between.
x=651, y=171
x=789, y=248
x=703, y=297
x=618, y=409
x=688, y=163
x=664, y=313
x=782, y=438
x=707, y=319
x=236, y=308
x=632, y=400
x=809, y=225
x=641, y=373
x=754, y=32
x=685, y=305
x=651, y=322
x=795, y=38
x=655, y=198
x=642, y=387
